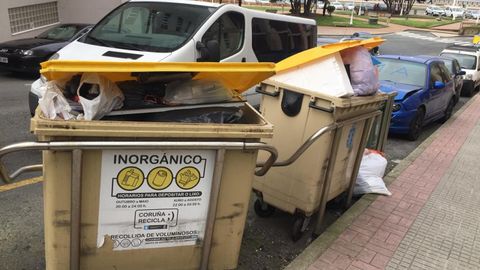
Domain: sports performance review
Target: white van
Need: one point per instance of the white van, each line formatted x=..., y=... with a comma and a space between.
x=190, y=31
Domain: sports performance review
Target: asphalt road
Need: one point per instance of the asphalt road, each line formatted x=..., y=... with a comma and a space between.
x=266, y=243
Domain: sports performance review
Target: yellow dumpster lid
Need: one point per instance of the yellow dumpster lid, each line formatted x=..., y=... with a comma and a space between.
x=322, y=51
x=234, y=76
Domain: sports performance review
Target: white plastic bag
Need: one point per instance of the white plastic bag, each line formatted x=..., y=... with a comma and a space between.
x=52, y=103
x=195, y=92
x=362, y=71
x=98, y=96
x=369, y=179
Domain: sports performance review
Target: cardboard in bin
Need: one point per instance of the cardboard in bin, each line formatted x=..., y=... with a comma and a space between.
x=320, y=69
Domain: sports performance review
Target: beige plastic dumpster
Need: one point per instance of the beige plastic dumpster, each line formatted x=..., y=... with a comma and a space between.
x=144, y=206
x=330, y=165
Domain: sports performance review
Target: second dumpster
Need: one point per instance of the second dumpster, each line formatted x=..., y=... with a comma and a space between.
x=320, y=137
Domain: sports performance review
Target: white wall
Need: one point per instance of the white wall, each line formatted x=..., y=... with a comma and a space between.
x=86, y=11
x=70, y=11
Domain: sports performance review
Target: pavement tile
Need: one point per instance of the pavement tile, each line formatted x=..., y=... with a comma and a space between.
x=432, y=219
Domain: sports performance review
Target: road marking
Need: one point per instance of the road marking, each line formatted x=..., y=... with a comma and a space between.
x=434, y=39
x=22, y=183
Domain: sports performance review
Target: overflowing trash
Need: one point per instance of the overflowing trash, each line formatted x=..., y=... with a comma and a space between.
x=90, y=96
x=362, y=72
x=372, y=169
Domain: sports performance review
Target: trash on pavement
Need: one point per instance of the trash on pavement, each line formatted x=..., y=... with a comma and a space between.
x=372, y=169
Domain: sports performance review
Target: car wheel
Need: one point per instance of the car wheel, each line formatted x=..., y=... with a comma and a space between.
x=467, y=89
x=448, y=111
x=416, y=125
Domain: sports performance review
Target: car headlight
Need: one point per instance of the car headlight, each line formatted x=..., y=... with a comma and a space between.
x=54, y=56
x=396, y=107
x=468, y=77
x=26, y=52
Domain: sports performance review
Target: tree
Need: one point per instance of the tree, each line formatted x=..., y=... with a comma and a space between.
x=326, y=3
x=296, y=6
x=395, y=6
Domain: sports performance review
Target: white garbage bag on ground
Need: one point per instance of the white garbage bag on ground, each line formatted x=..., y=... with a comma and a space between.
x=372, y=169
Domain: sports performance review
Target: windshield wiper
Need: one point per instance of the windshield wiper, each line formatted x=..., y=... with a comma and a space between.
x=99, y=41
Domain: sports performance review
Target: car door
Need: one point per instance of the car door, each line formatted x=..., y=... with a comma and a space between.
x=449, y=89
x=435, y=97
x=458, y=79
x=229, y=31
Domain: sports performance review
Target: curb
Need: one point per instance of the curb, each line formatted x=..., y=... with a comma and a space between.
x=308, y=257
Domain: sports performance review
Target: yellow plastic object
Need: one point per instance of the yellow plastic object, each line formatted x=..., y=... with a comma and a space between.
x=322, y=51
x=476, y=39
x=234, y=76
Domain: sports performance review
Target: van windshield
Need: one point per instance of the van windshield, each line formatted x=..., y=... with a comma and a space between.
x=149, y=26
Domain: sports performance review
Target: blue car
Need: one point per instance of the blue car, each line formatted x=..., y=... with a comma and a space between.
x=425, y=91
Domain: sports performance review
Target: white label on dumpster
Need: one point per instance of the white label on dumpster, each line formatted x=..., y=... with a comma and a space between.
x=154, y=199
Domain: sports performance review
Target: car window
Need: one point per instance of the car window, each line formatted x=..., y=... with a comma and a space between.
x=456, y=66
x=402, y=71
x=60, y=33
x=465, y=61
x=435, y=74
x=149, y=26
x=229, y=31
x=446, y=74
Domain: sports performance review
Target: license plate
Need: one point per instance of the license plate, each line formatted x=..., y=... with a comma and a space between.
x=4, y=60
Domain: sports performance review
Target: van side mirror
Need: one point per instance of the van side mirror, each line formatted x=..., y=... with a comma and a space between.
x=209, y=52
x=461, y=72
x=438, y=85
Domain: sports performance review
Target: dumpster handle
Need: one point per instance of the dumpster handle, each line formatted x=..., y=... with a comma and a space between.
x=312, y=105
x=314, y=138
x=274, y=94
x=123, y=145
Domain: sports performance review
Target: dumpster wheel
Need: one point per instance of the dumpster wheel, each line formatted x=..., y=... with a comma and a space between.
x=299, y=226
x=263, y=209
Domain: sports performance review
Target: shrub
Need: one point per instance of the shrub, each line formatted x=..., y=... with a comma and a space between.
x=330, y=10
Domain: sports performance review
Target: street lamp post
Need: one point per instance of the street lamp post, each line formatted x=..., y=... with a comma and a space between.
x=351, y=15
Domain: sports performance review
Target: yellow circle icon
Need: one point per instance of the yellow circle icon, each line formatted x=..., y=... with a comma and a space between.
x=130, y=178
x=159, y=178
x=187, y=178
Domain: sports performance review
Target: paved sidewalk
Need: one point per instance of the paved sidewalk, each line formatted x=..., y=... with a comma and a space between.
x=432, y=220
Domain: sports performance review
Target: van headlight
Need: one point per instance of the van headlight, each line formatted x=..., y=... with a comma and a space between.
x=26, y=52
x=54, y=56
x=468, y=77
x=396, y=107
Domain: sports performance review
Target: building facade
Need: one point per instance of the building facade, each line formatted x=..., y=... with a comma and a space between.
x=460, y=3
x=28, y=18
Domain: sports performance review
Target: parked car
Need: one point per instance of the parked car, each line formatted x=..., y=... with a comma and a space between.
x=435, y=11
x=337, y=5
x=197, y=32
x=454, y=12
x=472, y=14
x=457, y=75
x=468, y=55
x=349, y=6
x=25, y=55
x=425, y=91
